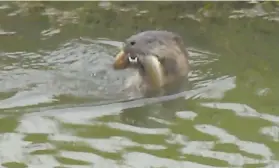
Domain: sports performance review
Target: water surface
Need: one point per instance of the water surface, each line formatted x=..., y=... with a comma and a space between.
x=62, y=104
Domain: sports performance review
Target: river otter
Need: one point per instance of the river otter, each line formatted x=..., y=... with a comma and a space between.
x=160, y=58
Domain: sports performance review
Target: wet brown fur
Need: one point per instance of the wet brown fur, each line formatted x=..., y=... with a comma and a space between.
x=169, y=49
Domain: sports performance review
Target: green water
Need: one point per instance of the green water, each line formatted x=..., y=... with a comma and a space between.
x=62, y=105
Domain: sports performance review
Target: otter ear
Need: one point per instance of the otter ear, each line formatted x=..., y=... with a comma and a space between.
x=178, y=39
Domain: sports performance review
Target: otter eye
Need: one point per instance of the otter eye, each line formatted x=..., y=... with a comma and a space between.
x=133, y=59
x=132, y=42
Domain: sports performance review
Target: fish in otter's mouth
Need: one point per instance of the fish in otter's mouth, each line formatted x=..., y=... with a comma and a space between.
x=159, y=56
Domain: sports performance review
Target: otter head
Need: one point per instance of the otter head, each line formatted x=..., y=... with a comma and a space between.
x=159, y=56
